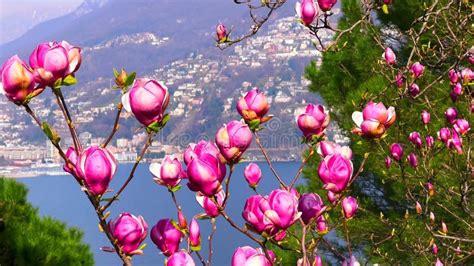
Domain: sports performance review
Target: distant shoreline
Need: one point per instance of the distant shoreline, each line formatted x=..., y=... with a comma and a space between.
x=57, y=170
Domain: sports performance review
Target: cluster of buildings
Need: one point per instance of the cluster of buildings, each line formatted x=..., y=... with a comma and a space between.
x=189, y=80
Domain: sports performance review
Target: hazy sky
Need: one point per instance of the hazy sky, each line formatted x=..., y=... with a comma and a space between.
x=18, y=16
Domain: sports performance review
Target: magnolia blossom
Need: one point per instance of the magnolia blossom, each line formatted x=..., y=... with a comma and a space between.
x=96, y=166
x=252, y=174
x=417, y=69
x=461, y=126
x=129, y=231
x=396, y=150
x=166, y=236
x=253, y=107
x=388, y=162
x=180, y=258
x=414, y=89
x=399, y=80
x=248, y=256
x=425, y=117
x=221, y=32
x=52, y=61
x=307, y=11
x=208, y=204
x=147, y=100
x=415, y=138
x=321, y=225
x=169, y=172
x=18, y=80
x=326, y=5
x=349, y=207
x=326, y=148
x=233, y=139
x=72, y=157
x=311, y=206
x=451, y=114
x=453, y=76
x=389, y=56
x=194, y=234
x=335, y=171
x=205, y=168
x=413, y=160
x=314, y=121
x=374, y=120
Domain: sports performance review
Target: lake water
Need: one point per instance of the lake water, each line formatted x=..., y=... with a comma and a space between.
x=61, y=198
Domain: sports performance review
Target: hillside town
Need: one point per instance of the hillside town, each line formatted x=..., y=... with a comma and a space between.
x=189, y=80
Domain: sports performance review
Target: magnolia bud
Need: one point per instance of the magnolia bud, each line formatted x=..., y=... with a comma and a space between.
x=425, y=117
x=389, y=56
x=418, y=208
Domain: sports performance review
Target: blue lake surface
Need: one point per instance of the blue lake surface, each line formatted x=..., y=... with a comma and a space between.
x=61, y=198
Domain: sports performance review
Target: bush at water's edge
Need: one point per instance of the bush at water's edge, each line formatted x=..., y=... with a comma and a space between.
x=28, y=239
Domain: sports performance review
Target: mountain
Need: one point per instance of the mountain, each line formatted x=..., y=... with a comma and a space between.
x=173, y=41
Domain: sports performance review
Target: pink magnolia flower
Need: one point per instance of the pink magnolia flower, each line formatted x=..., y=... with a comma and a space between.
x=129, y=231
x=414, y=89
x=455, y=142
x=396, y=149
x=415, y=138
x=96, y=166
x=444, y=134
x=314, y=121
x=50, y=61
x=388, y=162
x=326, y=148
x=221, y=32
x=335, y=171
x=418, y=208
x=399, y=80
x=451, y=114
x=147, y=100
x=326, y=5
x=438, y=262
x=194, y=235
x=332, y=197
x=169, y=172
x=461, y=126
x=18, y=80
x=208, y=205
x=374, y=120
x=453, y=76
x=351, y=262
x=467, y=75
x=73, y=56
x=322, y=226
x=432, y=217
x=180, y=258
x=205, y=169
x=417, y=69
x=248, y=256
x=457, y=89
x=280, y=209
x=425, y=117
x=252, y=213
x=311, y=206
x=252, y=174
x=389, y=56
x=431, y=189
x=429, y=141
x=413, y=160
x=349, y=207
x=72, y=157
x=253, y=107
x=233, y=139
x=166, y=236
x=307, y=11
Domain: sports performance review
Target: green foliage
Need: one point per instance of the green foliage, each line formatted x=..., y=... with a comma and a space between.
x=28, y=239
x=347, y=80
